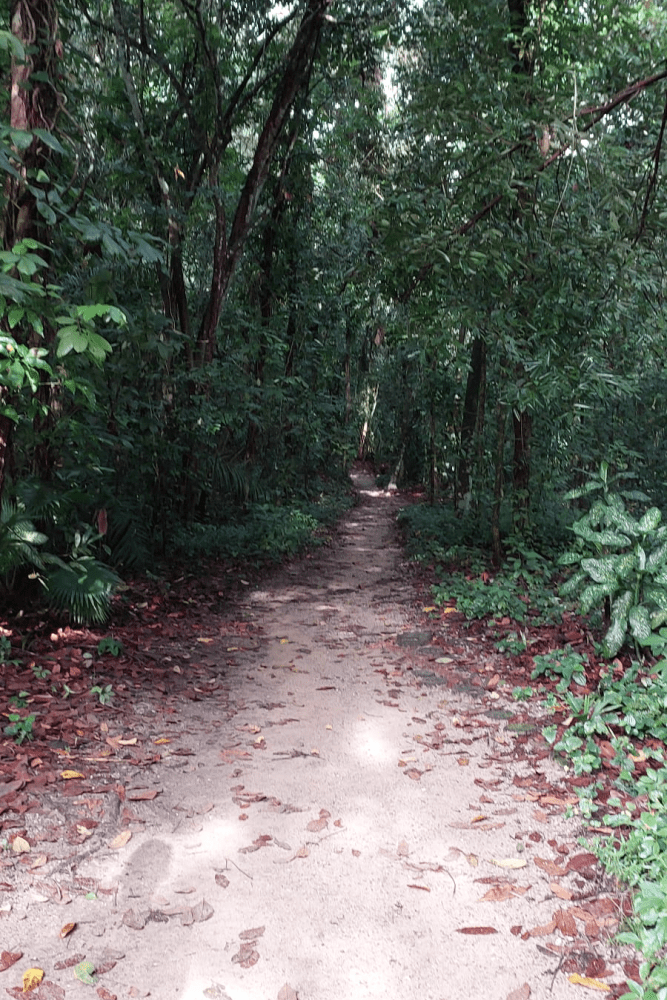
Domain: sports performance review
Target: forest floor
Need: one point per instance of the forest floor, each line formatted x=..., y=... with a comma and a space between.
x=311, y=789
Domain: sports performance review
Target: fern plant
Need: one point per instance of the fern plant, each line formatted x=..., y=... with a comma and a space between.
x=19, y=540
x=83, y=586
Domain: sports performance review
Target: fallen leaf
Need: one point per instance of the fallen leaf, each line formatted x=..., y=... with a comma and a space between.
x=356, y=854
x=550, y=867
x=509, y=862
x=121, y=840
x=202, y=639
x=67, y=929
x=560, y=891
x=39, y=861
x=581, y=861
x=316, y=825
x=424, y=888
x=476, y=930
x=67, y=775
x=104, y=994
x=20, y=846
x=67, y=963
x=221, y=880
x=31, y=979
x=84, y=972
x=543, y=930
x=472, y=860
x=142, y=794
x=136, y=919
x=522, y=993
x=463, y=761
x=8, y=958
x=246, y=956
x=413, y=773
x=565, y=923
x=202, y=911
x=50, y=991
x=287, y=993
x=84, y=831
x=499, y=894
x=252, y=933
x=403, y=850
x=303, y=852
x=592, y=984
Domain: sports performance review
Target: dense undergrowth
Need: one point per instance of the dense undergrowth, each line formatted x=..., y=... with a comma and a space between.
x=603, y=704
x=50, y=557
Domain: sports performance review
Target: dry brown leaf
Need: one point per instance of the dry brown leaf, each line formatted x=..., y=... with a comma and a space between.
x=413, y=885
x=252, y=933
x=581, y=861
x=103, y=993
x=565, y=923
x=413, y=773
x=560, y=891
x=543, y=930
x=316, y=825
x=50, y=991
x=121, y=840
x=136, y=919
x=522, y=993
x=287, y=993
x=202, y=911
x=246, y=956
x=142, y=794
x=221, y=880
x=303, y=852
x=67, y=963
x=20, y=846
x=550, y=867
x=39, y=861
x=499, y=894
x=476, y=930
x=8, y=958
x=67, y=929
x=509, y=862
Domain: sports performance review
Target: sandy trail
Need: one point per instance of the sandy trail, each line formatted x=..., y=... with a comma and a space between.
x=332, y=825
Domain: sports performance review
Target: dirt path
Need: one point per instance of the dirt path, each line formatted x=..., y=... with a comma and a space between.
x=327, y=820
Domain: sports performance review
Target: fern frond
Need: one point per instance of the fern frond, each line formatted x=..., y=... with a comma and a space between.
x=84, y=588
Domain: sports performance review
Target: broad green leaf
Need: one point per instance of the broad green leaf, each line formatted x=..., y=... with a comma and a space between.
x=592, y=596
x=650, y=520
x=70, y=338
x=639, y=622
x=614, y=638
x=621, y=606
x=21, y=138
x=48, y=139
x=657, y=557
x=571, y=585
x=602, y=570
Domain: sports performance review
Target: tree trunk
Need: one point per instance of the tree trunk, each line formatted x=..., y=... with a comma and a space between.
x=523, y=427
x=473, y=413
x=501, y=421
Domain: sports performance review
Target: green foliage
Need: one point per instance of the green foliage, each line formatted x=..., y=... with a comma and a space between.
x=6, y=658
x=621, y=559
x=20, y=727
x=104, y=693
x=19, y=541
x=111, y=645
x=564, y=663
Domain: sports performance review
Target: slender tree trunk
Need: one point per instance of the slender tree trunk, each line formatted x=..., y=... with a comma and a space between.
x=523, y=428
x=473, y=412
x=501, y=421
